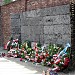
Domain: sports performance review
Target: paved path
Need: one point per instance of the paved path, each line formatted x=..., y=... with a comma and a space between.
x=13, y=66
x=8, y=67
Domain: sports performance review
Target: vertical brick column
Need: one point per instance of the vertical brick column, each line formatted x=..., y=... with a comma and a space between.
x=72, y=10
x=1, y=35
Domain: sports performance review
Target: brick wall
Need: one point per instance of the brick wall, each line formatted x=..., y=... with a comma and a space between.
x=21, y=6
x=1, y=35
x=7, y=10
x=35, y=4
x=49, y=25
x=72, y=21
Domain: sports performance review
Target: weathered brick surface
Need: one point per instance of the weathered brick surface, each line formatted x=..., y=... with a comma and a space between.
x=35, y=4
x=53, y=28
x=1, y=34
x=20, y=6
x=7, y=10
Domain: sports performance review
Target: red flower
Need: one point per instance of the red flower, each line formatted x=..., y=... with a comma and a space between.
x=36, y=54
x=66, y=61
x=57, y=61
x=41, y=57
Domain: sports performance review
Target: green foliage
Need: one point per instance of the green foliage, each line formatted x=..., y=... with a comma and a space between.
x=48, y=52
x=54, y=49
x=28, y=43
x=68, y=52
x=29, y=50
x=7, y=1
x=38, y=44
